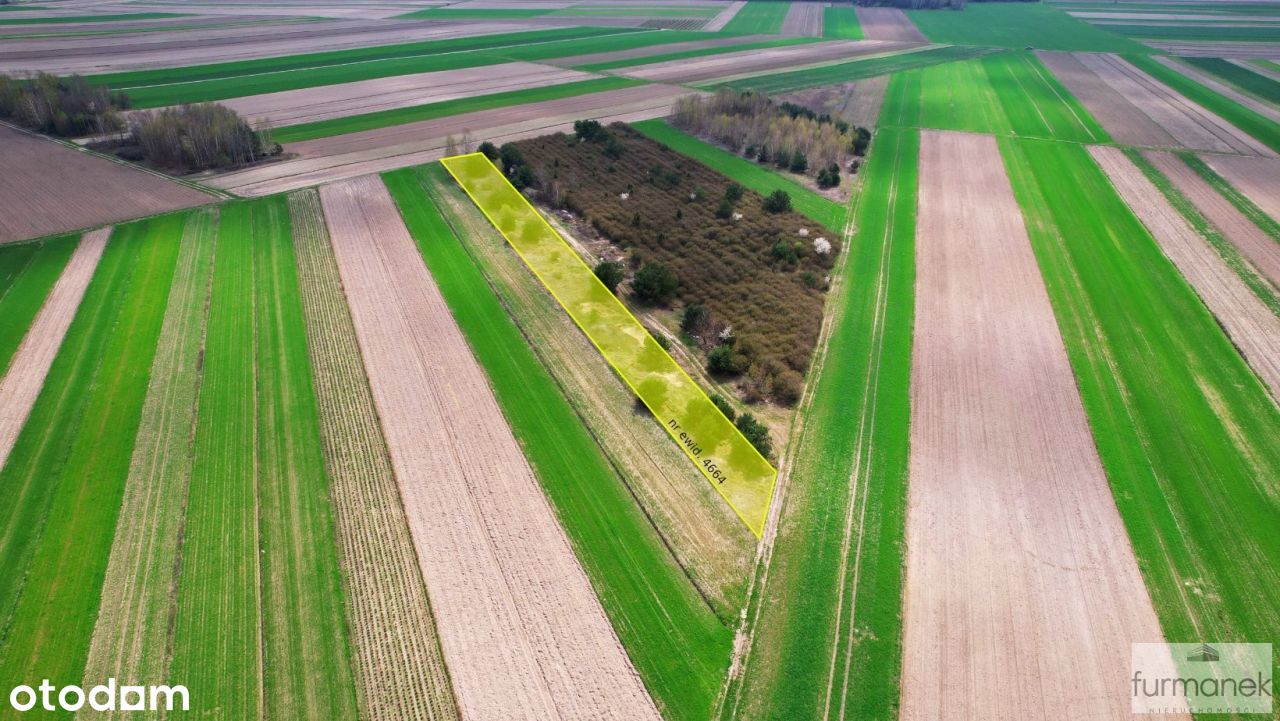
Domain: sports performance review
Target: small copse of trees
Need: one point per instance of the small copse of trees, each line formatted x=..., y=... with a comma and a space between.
x=192, y=138
x=67, y=107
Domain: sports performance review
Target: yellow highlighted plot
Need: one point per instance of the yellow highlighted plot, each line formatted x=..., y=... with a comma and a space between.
x=732, y=465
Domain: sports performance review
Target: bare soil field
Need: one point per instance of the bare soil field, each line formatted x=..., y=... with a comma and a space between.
x=292, y=107
x=757, y=61
x=1190, y=124
x=1241, y=51
x=1120, y=118
x=1256, y=246
x=1252, y=326
x=857, y=102
x=374, y=151
x=639, y=53
x=722, y=18
x=66, y=32
x=1019, y=572
x=520, y=625
x=1255, y=177
x=888, y=24
x=30, y=363
x=1262, y=108
x=401, y=672
x=48, y=188
x=803, y=18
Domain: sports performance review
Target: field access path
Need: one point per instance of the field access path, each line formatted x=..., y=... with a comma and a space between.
x=521, y=627
x=1019, y=572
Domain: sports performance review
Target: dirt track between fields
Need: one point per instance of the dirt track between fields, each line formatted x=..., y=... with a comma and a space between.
x=711, y=67
x=1022, y=593
x=1255, y=177
x=30, y=363
x=48, y=188
x=803, y=18
x=1123, y=121
x=1256, y=246
x=521, y=628
x=722, y=18
x=888, y=24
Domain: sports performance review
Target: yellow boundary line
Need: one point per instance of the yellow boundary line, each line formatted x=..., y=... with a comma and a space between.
x=755, y=517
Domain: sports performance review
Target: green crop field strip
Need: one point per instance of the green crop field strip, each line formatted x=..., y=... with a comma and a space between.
x=761, y=179
x=1019, y=25
x=1255, y=84
x=442, y=13
x=1203, y=31
x=701, y=52
x=1036, y=104
x=759, y=17
x=399, y=116
x=1259, y=126
x=827, y=620
x=1214, y=8
x=840, y=21
x=629, y=10
x=788, y=81
x=679, y=647
x=62, y=485
x=27, y=273
x=1187, y=433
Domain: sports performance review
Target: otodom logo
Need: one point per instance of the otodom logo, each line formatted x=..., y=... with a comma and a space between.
x=109, y=696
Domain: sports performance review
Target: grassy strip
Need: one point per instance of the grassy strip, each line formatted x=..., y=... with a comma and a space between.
x=827, y=640
x=64, y=19
x=1019, y=25
x=1247, y=81
x=1188, y=435
x=840, y=21
x=62, y=486
x=466, y=14
x=750, y=174
x=1260, y=127
x=701, y=52
x=759, y=17
x=27, y=273
x=1036, y=104
x=1199, y=32
x=790, y=80
x=430, y=111
x=1225, y=248
x=675, y=641
x=1260, y=217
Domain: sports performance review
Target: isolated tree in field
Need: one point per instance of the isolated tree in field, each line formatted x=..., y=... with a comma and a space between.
x=611, y=274
x=777, y=202
x=655, y=284
x=733, y=193
x=695, y=319
x=829, y=177
x=724, y=211
x=588, y=130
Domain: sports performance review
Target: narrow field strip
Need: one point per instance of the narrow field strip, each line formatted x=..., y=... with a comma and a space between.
x=65, y=478
x=28, y=272
x=1016, y=555
x=697, y=53
x=844, y=72
x=1266, y=108
x=841, y=21
x=725, y=16
x=400, y=669
x=758, y=17
x=1255, y=178
x=1252, y=326
x=521, y=629
x=1120, y=118
x=952, y=96
x=888, y=23
x=1187, y=433
x=674, y=639
x=132, y=634
x=823, y=628
x=1036, y=104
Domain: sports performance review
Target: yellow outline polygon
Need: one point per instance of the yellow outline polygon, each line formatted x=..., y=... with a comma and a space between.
x=743, y=477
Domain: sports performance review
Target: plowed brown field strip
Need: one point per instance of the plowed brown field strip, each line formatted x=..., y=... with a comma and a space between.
x=1120, y=118
x=1255, y=177
x=711, y=67
x=722, y=18
x=803, y=18
x=1022, y=591
x=523, y=633
x=888, y=24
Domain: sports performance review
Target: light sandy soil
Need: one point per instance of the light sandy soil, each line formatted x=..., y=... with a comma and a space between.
x=722, y=18
x=1124, y=122
x=294, y=41
x=1256, y=246
x=1241, y=51
x=1022, y=592
x=757, y=61
x=374, y=151
x=30, y=363
x=1252, y=326
x=401, y=671
x=1190, y=124
x=308, y=105
x=521, y=628
x=888, y=24
x=639, y=53
x=1262, y=108
x=857, y=102
x=48, y=188
x=803, y=18
x=1255, y=177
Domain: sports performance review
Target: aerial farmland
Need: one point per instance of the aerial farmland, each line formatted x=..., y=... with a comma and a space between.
x=643, y=360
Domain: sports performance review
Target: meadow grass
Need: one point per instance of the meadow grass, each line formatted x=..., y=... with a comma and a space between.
x=840, y=21
x=787, y=81
x=1019, y=25
x=701, y=52
x=849, y=477
x=1247, y=81
x=762, y=179
x=677, y=644
x=399, y=116
x=759, y=17
x=27, y=273
x=1262, y=128
x=61, y=489
x=1188, y=435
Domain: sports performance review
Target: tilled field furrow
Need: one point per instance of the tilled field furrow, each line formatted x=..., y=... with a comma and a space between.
x=1255, y=177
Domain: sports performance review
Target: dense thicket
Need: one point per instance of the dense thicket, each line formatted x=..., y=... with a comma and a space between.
x=757, y=278
x=69, y=107
x=196, y=137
